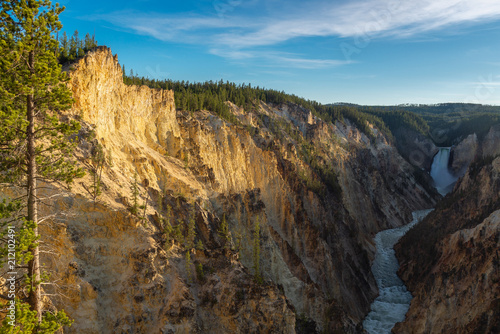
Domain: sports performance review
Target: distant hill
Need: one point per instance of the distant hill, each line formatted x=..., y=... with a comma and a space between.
x=448, y=122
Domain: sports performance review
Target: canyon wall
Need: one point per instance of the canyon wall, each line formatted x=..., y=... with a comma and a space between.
x=463, y=154
x=416, y=148
x=318, y=191
x=472, y=147
x=450, y=261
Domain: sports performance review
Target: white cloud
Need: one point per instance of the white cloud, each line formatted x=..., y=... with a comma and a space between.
x=279, y=59
x=232, y=53
x=184, y=29
x=237, y=34
x=372, y=18
x=485, y=84
x=304, y=63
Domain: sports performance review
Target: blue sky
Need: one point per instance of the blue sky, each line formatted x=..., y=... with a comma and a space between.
x=358, y=51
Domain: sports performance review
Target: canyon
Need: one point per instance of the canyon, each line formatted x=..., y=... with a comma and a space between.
x=310, y=194
x=453, y=271
x=315, y=236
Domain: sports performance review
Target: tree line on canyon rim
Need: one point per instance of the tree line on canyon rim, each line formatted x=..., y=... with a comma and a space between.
x=451, y=120
x=445, y=123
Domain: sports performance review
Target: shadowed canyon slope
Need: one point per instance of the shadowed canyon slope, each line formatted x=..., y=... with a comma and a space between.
x=450, y=261
x=319, y=192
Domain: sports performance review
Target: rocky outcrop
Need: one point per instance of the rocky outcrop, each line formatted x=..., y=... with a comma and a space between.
x=453, y=271
x=490, y=146
x=110, y=268
x=319, y=192
x=135, y=124
x=463, y=154
x=416, y=148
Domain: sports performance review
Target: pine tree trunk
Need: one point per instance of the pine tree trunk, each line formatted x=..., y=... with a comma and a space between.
x=35, y=296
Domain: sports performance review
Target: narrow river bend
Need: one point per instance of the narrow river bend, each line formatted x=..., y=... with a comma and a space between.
x=393, y=302
x=394, y=299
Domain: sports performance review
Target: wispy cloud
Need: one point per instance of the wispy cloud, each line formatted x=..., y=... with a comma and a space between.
x=305, y=63
x=372, y=18
x=236, y=34
x=235, y=54
x=179, y=28
x=485, y=84
x=279, y=59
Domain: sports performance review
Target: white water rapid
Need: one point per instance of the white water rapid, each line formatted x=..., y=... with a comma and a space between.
x=443, y=179
x=393, y=302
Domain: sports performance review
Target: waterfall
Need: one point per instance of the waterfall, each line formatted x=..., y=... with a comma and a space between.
x=394, y=299
x=443, y=178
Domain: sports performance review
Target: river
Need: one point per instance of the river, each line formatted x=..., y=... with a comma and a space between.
x=394, y=299
x=393, y=302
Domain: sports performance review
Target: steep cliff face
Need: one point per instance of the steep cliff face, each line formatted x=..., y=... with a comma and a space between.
x=135, y=124
x=463, y=154
x=471, y=148
x=318, y=191
x=114, y=277
x=450, y=261
x=416, y=148
x=490, y=142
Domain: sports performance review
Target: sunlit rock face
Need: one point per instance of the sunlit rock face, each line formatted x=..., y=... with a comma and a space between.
x=315, y=233
x=136, y=124
x=470, y=148
x=111, y=270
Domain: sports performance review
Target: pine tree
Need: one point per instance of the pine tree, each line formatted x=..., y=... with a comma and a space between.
x=64, y=48
x=145, y=183
x=189, y=263
x=191, y=232
x=168, y=230
x=74, y=45
x=199, y=245
x=88, y=44
x=34, y=143
x=94, y=41
x=178, y=236
x=256, y=251
x=224, y=233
